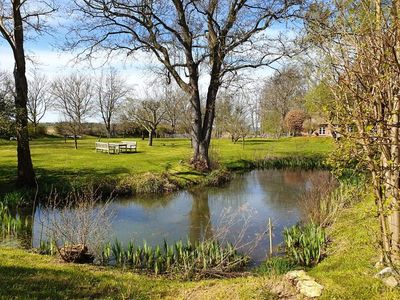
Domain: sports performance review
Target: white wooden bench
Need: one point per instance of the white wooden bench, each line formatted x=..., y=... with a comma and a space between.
x=130, y=146
x=106, y=147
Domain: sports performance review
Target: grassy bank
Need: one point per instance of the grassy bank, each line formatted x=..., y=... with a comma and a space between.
x=27, y=275
x=59, y=164
x=348, y=271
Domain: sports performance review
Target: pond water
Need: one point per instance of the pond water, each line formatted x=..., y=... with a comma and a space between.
x=237, y=212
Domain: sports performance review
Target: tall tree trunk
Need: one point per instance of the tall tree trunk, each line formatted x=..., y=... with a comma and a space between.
x=108, y=129
x=25, y=175
x=76, y=142
x=202, y=127
x=151, y=135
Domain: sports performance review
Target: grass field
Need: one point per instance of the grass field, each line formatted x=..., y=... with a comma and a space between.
x=348, y=271
x=31, y=276
x=58, y=161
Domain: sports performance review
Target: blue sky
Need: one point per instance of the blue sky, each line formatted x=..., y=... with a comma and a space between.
x=50, y=60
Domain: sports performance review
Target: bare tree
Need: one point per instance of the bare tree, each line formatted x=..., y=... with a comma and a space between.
x=148, y=113
x=175, y=105
x=111, y=90
x=15, y=18
x=220, y=37
x=73, y=95
x=79, y=224
x=282, y=92
x=232, y=117
x=38, y=98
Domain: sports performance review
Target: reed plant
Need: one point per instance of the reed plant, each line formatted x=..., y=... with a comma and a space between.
x=11, y=225
x=47, y=247
x=185, y=259
x=293, y=162
x=328, y=197
x=305, y=244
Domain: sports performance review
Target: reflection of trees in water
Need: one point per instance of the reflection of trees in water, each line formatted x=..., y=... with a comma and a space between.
x=286, y=187
x=149, y=201
x=200, y=227
x=231, y=195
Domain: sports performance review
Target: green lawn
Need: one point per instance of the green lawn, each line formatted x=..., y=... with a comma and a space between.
x=348, y=271
x=30, y=276
x=54, y=159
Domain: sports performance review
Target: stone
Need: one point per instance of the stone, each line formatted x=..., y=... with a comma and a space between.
x=390, y=281
x=385, y=272
x=305, y=284
x=297, y=275
x=309, y=288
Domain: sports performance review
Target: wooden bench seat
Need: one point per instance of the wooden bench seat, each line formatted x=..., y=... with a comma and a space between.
x=107, y=147
x=131, y=146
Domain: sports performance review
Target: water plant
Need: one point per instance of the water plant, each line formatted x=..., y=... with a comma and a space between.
x=316, y=162
x=184, y=258
x=305, y=244
x=11, y=225
x=47, y=247
x=293, y=162
x=14, y=199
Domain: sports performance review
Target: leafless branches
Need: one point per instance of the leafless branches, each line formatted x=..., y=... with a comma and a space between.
x=38, y=98
x=188, y=37
x=360, y=41
x=81, y=221
x=111, y=91
x=73, y=95
x=148, y=113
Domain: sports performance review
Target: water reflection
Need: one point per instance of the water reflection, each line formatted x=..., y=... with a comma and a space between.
x=200, y=226
x=195, y=214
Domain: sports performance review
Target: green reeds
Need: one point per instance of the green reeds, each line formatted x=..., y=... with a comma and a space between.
x=305, y=244
x=47, y=247
x=289, y=162
x=186, y=259
x=11, y=226
x=293, y=162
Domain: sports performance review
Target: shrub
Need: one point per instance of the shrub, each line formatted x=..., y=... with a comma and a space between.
x=217, y=177
x=145, y=184
x=77, y=224
x=294, y=121
x=305, y=244
x=322, y=203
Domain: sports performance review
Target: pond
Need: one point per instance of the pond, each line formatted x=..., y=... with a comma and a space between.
x=237, y=212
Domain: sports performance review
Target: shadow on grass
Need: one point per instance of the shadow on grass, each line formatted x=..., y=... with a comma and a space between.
x=64, y=180
x=39, y=283
x=255, y=142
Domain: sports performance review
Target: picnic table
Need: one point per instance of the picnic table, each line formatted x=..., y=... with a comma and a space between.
x=116, y=148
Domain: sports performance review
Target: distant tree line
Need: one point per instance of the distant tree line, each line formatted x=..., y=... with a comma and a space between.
x=106, y=106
